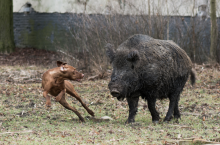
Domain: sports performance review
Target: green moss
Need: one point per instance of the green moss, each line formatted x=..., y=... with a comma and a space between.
x=37, y=38
x=6, y=27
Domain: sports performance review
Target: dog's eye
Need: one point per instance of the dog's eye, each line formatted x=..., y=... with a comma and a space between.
x=132, y=66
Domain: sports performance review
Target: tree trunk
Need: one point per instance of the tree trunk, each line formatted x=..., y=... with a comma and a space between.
x=193, y=51
x=6, y=26
x=149, y=17
x=168, y=22
x=213, y=48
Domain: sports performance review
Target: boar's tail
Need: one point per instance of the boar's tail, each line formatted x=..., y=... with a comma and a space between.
x=193, y=76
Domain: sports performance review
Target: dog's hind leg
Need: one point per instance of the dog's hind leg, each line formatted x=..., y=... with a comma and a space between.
x=71, y=91
x=64, y=103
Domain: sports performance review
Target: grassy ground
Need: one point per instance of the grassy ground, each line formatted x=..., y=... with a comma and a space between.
x=25, y=120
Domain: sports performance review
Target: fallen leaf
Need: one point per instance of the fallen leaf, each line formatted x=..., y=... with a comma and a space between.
x=203, y=118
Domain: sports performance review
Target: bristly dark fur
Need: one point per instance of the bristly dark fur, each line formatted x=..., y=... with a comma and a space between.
x=150, y=68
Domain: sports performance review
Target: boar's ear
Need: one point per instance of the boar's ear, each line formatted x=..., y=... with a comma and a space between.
x=133, y=56
x=59, y=63
x=110, y=51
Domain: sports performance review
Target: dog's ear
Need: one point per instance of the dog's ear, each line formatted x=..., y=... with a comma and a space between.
x=63, y=69
x=59, y=63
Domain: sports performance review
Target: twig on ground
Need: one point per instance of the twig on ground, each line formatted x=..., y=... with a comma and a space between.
x=194, y=114
x=28, y=131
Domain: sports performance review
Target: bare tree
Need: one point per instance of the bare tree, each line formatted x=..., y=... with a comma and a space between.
x=213, y=48
x=6, y=26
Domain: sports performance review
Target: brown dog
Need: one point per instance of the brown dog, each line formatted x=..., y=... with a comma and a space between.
x=54, y=82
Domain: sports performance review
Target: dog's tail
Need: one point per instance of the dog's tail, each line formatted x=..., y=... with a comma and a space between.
x=193, y=76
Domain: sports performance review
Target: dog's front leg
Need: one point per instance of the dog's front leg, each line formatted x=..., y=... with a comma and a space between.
x=60, y=95
x=48, y=102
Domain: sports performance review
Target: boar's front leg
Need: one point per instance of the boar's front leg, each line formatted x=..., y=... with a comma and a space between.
x=132, y=103
x=151, y=106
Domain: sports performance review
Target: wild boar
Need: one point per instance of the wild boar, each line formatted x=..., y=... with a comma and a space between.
x=150, y=68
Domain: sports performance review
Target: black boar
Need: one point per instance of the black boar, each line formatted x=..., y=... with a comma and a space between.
x=150, y=68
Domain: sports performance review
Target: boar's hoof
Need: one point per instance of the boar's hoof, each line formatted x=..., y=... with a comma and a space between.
x=156, y=122
x=129, y=121
x=177, y=117
x=166, y=119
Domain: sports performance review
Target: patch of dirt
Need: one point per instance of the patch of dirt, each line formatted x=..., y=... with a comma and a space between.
x=29, y=56
x=21, y=76
x=34, y=59
x=26, y=57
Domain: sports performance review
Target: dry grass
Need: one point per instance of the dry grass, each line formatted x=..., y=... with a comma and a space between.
x=25, y=120
x=90, y=33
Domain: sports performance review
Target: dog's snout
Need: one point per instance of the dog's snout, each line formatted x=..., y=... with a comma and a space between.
x=115, y=93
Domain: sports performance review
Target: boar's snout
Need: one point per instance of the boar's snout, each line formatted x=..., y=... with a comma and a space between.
x=115, y=93
x=116, y=90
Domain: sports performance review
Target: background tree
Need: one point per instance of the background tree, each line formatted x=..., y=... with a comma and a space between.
x=6, y=26
x=213, y=48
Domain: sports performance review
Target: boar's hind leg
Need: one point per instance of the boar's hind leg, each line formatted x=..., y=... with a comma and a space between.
x=151, y=106
x=174, y=99
x=176, y=110
x=173, y=106
x=132, y=103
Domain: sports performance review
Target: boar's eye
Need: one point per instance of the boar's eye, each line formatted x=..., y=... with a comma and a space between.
x=132, y=66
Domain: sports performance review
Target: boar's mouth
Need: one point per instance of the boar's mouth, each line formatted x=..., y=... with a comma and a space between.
x=116, y=93
x=120, y=98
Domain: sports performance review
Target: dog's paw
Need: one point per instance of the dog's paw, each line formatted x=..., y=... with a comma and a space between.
x=91, y=113
x=82, y=120
x=48, y=104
